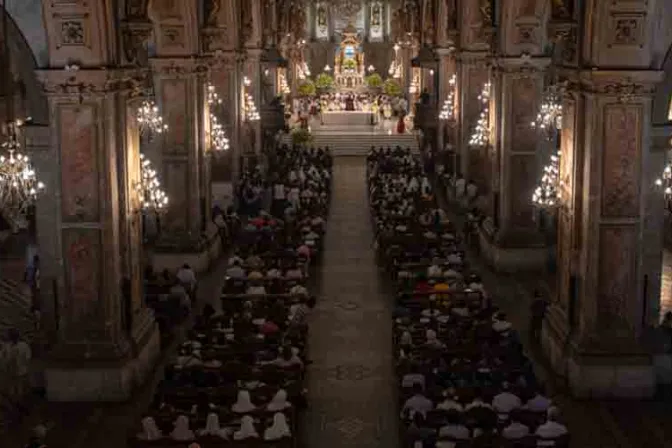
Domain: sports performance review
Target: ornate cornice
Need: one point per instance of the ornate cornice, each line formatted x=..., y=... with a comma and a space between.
x=221, y=60
x=474, y=57
x=522, y=64
x=624, y=84
x=74, y=81
x=178, y=67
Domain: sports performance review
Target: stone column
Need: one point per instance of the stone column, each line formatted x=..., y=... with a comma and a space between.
x=105, y=344
x=593, y=332
x=473, y=71
x=187, y=236
x=510, y=237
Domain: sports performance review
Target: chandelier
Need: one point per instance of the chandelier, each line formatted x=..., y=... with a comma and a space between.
x=19, y=185
x=152, y=196
x=218, y=139
x=665, y=183
x=481, y=134
x=249, y=107
x=549, y=118
x=448, y=109
x=346, y=8
x=149, y=119
x=547, y=194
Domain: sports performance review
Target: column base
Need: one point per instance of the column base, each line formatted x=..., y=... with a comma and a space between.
x=508, y=256
x=167, y=254
x=596, y=373
x=103, y=381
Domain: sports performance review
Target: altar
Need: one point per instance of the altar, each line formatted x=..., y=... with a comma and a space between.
x=346, y=118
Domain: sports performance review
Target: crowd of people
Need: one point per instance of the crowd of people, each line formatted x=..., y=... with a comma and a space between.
x=238, y=378
x=464, y=380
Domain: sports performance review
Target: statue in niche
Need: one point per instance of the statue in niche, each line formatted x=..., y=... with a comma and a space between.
x=485, y=7
x=322, y=16
x=136, y=9
x=427, y=25
x=213, y=8
x=247, y=21
x=561, y=9
x=375, y=15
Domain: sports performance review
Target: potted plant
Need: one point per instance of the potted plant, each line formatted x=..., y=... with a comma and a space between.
x=324, y=82
x=349, y=65
x=301, y=137
x=391, y=87
x=374, y=82
x=307, y=88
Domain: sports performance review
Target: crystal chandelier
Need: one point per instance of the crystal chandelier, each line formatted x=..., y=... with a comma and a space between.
x=549, y=118
x=665, y=183
x=218, y=139
x=481, y=134
x=346, y=8
x=249, y=108
x=547, y=194
x=448, y=109
x=149, y=119
x=19, y=185
x=152, y=196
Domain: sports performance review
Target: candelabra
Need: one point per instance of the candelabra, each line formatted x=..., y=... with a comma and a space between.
x=448, y=110
x=249, y=107
x=152, y=197
x=547, y=194
x=149, y=119
x=665, y=183
x=19, y=185
x=481, y=135
x=218, y=139
x=549, y=118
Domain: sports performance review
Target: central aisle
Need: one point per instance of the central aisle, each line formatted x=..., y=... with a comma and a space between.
x=351, y=381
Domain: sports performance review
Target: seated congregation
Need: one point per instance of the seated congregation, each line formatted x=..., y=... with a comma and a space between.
x=463, y=378
x=238, y=378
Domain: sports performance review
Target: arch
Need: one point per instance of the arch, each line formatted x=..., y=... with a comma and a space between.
x=26, y=61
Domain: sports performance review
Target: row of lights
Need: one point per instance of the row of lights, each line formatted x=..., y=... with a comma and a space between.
x=152, y=196
x=218, y=139
x=448, y=109
x=481, y=134
x=249, y=107
x=549, y=121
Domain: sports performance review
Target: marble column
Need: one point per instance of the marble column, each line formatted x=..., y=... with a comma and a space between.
x=187, y=230
x=510, y=237
x=594, y=330
x=473, y=71
x=105, y=339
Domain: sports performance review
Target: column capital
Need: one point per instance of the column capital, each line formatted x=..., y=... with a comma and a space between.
x=445, y=51
x=614, y=82
x=176, y=68
x=74, y=81
x=221, y=60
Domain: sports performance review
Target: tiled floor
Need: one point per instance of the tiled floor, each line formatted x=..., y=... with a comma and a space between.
x=351, y=380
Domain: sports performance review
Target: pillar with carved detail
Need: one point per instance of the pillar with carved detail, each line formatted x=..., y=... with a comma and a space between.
x=187, y=232
x=607, y=263
x=510, y=236
x=105, y=339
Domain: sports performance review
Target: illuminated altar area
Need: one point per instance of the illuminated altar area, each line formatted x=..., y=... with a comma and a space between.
x=349, y=65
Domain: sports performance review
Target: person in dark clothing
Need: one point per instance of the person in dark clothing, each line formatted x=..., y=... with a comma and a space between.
x=537, y=313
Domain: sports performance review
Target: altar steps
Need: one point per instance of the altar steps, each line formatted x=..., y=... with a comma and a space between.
x=343, y=142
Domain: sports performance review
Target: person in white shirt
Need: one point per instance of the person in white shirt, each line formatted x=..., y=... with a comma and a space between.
x=411, y=378
x=435, y=269
x=451, y=403
x=477, y=403
x=538, y=403
x=299, y=290
x=19, y=356
x=417, y=403
x=294, y=273
x=235, y=258
x=235, y=271
x=551, y=429
x=515, y=429
x=505, y=401
x=187, y=277
x=273, y=273
x=256, y=289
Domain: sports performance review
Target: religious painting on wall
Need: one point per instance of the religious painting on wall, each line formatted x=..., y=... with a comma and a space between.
x=321, y=22
x=376, y=22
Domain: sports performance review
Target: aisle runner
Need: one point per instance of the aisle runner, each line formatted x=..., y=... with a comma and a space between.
x=351, y=392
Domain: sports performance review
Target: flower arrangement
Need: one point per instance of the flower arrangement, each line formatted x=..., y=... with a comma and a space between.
x=301, y=137
x=349, y=64
x=307, y=88
x=374, y=81
x=324, y=81
x=391, y=87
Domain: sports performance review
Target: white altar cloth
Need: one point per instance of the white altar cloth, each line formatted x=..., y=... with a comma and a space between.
x=347, y=118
